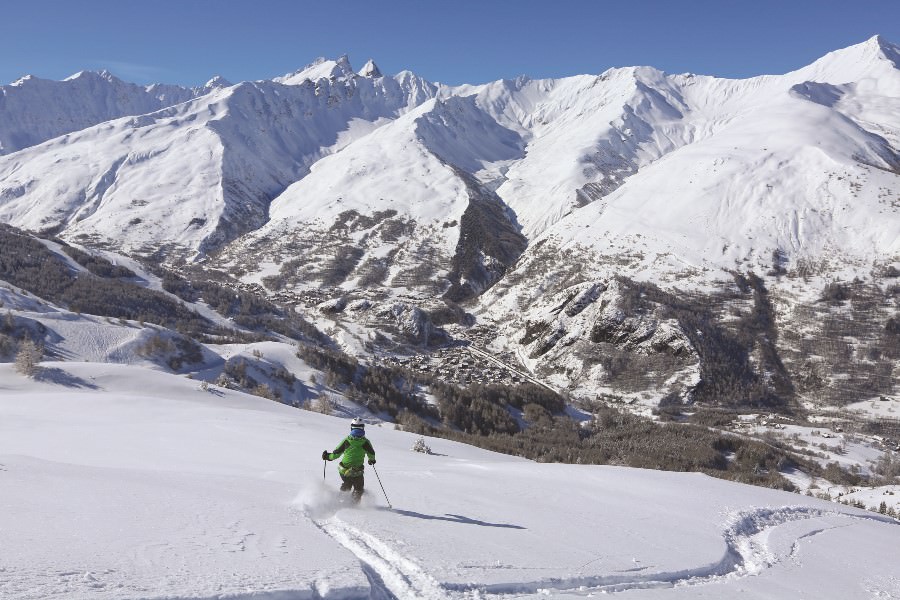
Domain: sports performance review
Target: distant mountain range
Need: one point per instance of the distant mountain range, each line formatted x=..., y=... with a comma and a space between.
x=634, y=217
x=34, y=110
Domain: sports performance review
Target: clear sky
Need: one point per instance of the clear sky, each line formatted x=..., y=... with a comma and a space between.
x=451, y=41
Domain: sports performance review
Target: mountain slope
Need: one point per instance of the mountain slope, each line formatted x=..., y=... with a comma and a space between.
x=192, y=176
x=708, y=124
x=745, y=149
x=789, y=178
x=585, y=135
x=147, y=495
x=403, y=199
x=33, y=110
x=593, y=224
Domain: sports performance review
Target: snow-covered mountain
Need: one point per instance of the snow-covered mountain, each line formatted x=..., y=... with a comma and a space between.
x=738, y=156
x=792, y=175
x=199, y=173
x=526, y=194
x=33, y=110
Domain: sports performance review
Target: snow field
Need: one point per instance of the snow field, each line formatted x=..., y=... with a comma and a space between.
x=143, y=485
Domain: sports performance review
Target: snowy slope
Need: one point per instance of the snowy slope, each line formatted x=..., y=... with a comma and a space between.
x=797, y=171
x=196, y=175
x=398, y=194
x=33, y=110
x=798, y=162
x=585, y=135
x=779, y=168
x=177, y=492
x=711, y=171
x=428, y=190
x=97, y=183
x=345, y=183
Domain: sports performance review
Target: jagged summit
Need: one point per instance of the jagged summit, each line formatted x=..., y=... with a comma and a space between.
x=89, y=75
x=343, y=62
x=876, y=49
x=370, y=69
x=23, y=80
x=217, y=82
x=321, y=68
x=881, y=43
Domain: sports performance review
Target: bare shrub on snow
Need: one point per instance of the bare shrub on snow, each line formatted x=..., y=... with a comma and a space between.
x=264, y=391
x=421, y=446
x=322, y=404
x=223, y=381
x=175, y=351
x=28, y=357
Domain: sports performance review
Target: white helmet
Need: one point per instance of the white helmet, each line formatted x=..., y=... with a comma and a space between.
x=357, y=423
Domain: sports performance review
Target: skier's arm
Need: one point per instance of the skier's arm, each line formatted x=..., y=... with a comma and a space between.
x=339, y=450
x=370, y=452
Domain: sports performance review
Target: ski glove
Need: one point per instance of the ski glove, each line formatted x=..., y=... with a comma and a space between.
x=324, y=454
x=371, y=461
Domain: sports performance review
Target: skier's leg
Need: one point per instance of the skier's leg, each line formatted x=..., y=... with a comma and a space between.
x=358, y=483
x=346, y=483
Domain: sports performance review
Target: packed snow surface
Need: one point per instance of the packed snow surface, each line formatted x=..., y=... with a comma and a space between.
x=124, y=482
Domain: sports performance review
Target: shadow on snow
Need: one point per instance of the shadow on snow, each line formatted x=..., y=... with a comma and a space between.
x=453, y=519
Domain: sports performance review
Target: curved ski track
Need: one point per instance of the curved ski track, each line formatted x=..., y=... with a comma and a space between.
x=393, y=576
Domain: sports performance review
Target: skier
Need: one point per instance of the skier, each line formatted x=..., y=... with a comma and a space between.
x=354, y=448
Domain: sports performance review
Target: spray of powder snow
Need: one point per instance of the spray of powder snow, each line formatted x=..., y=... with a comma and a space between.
x=321, y=500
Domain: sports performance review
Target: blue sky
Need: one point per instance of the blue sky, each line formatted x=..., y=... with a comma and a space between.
x=452, y=41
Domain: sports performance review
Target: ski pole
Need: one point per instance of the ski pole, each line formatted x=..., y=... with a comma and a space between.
x=382, y=486
x=324, y=466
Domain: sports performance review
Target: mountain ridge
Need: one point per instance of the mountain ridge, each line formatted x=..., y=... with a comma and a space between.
x=580, y=138
x=34, y=110
x=511, y=198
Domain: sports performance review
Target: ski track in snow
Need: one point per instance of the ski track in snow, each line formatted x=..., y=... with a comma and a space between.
x=393, y=576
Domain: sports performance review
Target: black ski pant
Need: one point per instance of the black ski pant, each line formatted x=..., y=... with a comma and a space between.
x=355, y=483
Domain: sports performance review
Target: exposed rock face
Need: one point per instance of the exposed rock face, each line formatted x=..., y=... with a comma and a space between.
x=412, y=323
x=489, y=243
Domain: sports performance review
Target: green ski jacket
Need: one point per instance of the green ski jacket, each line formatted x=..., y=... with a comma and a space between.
x=354, y=451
